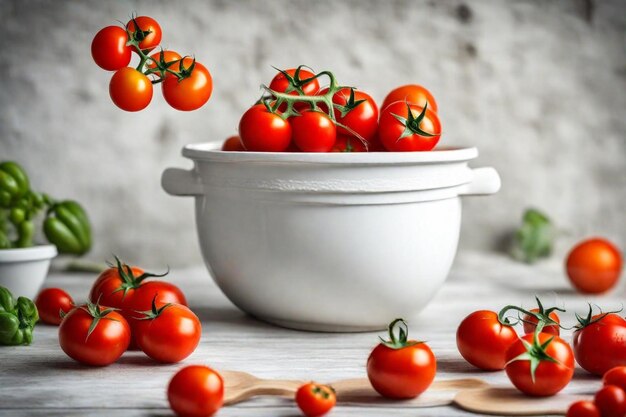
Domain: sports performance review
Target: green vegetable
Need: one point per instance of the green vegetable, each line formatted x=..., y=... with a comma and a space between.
x=67, y=227
x=17, y=319
x=535, y=238
x=13, y=183
x=66, y=224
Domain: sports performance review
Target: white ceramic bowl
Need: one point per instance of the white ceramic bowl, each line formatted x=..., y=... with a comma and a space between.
x=329, y=241
x=23, y=271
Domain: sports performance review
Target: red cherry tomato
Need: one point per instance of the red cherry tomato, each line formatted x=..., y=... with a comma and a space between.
x=315, y=400
x=282, y=84
x=399, y=132
x=594, y=266
x=599, y=343
x=168, y=56
x=98, y=345
x=401, y=368
x=52, y=303
x=358, y=112
x=413, y=94
x=550, y=376
x=151, y=37
x=263, y=131
x=483, y=341
x=611, y=401
x=109, y=49
x=530, y=323
x=313, y=131
x=130, y=90
x=616, y=376
x=196, y=391
x=168, y=333
x=191, y=92
x=583, y=409
x=348, y=144
x=548, y=317
x=233, y=144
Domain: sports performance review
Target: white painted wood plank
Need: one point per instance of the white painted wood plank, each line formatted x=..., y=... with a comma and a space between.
x=41, y=380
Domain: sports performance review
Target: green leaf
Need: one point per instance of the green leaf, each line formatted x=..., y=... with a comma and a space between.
x=535, y=237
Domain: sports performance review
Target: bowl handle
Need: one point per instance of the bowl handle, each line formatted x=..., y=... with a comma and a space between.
x=486, y=181
x=176, y=181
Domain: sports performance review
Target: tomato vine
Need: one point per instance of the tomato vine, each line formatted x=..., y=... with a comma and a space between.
x=162, y=67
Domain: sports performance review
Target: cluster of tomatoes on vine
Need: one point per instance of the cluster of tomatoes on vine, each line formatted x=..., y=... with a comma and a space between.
x=541, y=362
x=297, y=114
x=186, y=84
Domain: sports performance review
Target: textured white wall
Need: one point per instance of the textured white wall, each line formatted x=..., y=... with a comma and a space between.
x=539, y=87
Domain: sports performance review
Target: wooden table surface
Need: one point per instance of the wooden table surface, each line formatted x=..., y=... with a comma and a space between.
x=40, y=380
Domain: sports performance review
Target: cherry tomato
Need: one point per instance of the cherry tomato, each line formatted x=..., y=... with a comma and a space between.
x=190, y=93
x=168, y=332
x=313, y=131
x=401, y=368
x=151, y=37
x=483, y=341
x=594, y=266
x=408, y=133
x=413, y=94
x=348, y=144
x=109, y=49
x=168, y=57
x=233, y=144
x=315, y=400
x=263, y=131
x=282, y=84
x=94, y=335
x=130, y=90
x=549, y=377
x=548, y=317
x=530, y=323
x=611, y=401
x=583, y=409
x=356, y=110
x=52, y=303
x=599, y=343
x=616, y=376
x=196, y=391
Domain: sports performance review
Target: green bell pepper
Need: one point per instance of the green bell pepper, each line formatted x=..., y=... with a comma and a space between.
x=17, y=319
x=14, y=183
x=67, y=227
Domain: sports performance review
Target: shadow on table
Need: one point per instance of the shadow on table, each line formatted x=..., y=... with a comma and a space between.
x=458, y=366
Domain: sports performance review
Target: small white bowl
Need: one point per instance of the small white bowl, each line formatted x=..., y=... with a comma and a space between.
x=24, y=270
x=329, y=241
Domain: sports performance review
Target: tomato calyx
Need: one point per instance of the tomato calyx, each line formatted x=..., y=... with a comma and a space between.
x=350, y=105
x=401, y=340
x=589, y=319
x=535, y=353
x=322, y=391
x=138, y=34
x=542, y=315
x=97, y=313
x=412, y=123
x=154, y=312
x=129, y=280
x=295, y=82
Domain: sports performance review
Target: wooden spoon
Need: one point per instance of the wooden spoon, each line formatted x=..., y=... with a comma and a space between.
x=241, y=386
x=510, y=402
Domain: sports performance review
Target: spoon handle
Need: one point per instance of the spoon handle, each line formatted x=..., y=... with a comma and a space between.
x=274, y=387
